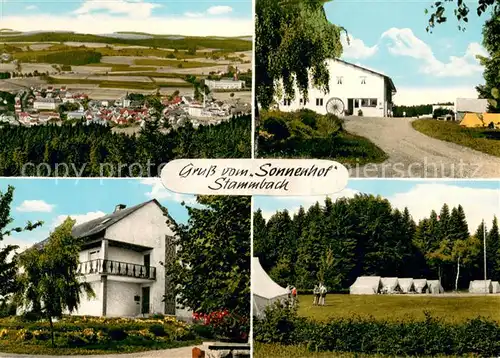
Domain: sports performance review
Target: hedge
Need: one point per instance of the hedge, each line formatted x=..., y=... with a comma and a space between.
x=369, y=336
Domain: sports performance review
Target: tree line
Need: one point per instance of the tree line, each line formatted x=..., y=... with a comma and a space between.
x=98, y=151
x=336, y=242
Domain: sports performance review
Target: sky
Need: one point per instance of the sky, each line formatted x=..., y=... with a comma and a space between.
x=480, y=199
x=171, y=17
x=53, y=200
x=390, y=37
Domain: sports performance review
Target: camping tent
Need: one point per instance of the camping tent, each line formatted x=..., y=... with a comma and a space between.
x=265, y=290
x=472, y=120
x=406, y=285
x=434, y=286
x=491, y=117
x=495, y=285
x=420, y=285
x=480, y=286
x=390, y=285
x=366, y=285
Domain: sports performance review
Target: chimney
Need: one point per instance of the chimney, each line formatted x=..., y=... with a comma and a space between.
x=120, y=207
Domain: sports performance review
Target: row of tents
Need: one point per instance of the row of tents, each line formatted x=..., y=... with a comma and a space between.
x=484, y=286
x=372, y=285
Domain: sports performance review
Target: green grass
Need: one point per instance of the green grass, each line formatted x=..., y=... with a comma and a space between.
x=261, y=350
x=306, y=134
x=481, y=139
x=401, y=307
x=173, y=63
x=120, y=67
x=185, y=43
x=117, y=84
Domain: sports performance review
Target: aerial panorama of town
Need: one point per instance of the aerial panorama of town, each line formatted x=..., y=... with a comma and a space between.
x=122, y=80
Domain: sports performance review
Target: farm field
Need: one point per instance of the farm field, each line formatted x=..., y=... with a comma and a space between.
x=483, y=140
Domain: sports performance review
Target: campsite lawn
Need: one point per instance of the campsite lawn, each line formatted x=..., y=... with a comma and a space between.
x=480, y=139
x=402, y=307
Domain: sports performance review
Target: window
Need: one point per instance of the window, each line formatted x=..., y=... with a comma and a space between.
x=340, y=80
x=93, y=255
x=356, y=103
x=287, y=102
x=319, y=101
x=302, y=101
x=369, y=102
x=363, y=80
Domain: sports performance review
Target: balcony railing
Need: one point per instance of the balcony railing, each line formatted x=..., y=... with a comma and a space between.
x=118, y=268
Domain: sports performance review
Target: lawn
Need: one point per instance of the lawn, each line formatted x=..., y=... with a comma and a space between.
x=93, y=335
x=173, y=63
x=261, y=350
x=306, y=134
x=402, y=307
x=481, y=139
x=73, y=57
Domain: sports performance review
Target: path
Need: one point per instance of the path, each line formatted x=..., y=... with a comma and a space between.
x=415, y=155
x=185, y=352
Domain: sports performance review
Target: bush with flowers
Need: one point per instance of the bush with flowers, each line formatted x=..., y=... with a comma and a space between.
x=225, y=325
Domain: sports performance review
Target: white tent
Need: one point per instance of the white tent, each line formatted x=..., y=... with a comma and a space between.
x=390, y=285
x=406, y=285
x=265, y=290
x=420, y=285
x=434, y=286
x=366, y=285
x=495, y=285
x=480, y=286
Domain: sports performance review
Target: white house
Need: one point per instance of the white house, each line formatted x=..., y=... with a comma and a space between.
x=45, y=104
x=352, y=89
x=225, y=84
x=121, y=257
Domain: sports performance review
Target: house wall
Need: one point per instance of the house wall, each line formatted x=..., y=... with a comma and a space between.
x=93, y=306
x=125, y=255
x=351, y=87
x=121, y=299
x=147, y=227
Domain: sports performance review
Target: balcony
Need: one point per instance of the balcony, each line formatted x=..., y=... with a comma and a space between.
x=117, y=268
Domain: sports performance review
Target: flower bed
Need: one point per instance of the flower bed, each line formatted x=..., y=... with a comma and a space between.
x=81, y=334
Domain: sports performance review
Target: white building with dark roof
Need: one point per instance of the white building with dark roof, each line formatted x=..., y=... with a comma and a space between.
x=122, y=257
x=353, y=90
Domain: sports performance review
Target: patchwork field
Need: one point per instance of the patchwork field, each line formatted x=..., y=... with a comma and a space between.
x=402, y=307
x=136, y=63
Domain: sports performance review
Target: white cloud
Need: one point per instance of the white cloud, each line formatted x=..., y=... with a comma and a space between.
x=35, y=206
x=410, y=96
x=80, y=218
x=293, y=203
x=219, y=10
x=478, y=204
x=194, y=14
x=158, y=192
x=134, y=8
x=356, y=48
x=31, y=7
x=403, y=42
x=106, y=23
x=211, y=11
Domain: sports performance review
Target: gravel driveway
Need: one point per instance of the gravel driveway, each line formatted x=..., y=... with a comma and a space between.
x=185, y=352
x=414, y=155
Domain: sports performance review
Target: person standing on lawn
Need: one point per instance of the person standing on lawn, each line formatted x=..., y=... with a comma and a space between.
x=316, y=295
x=294, y=295
x=322, y=293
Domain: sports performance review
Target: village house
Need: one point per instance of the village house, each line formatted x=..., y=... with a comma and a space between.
x=353, y=90
x=50, y=104
x=225, y=84
x=122, y=257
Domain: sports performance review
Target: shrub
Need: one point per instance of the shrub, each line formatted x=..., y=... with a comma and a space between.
x=117, y=333
x=360, y=113
x=429, y=337
x=203, y=331
x=158, y=330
